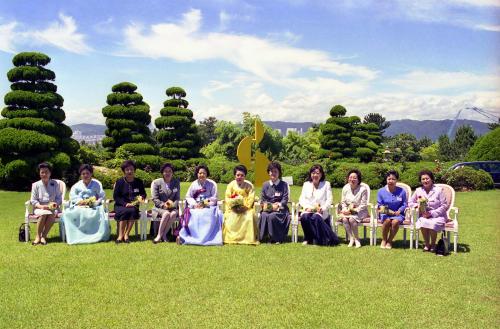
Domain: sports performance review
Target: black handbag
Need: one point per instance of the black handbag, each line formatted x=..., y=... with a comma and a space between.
x=442, y=246
x=22, y=233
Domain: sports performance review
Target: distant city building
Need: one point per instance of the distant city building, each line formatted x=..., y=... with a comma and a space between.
x=88, y=139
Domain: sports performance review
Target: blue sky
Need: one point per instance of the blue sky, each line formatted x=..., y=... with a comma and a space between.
x=284, y=60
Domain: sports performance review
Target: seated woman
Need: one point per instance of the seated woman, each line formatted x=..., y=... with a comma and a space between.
x=85, y=221
x=165, y=193
x=274, y=218
x=127, y=194
x=240, y=226
x=432, y=206
x=202, y=220
x=316, y=199
x=354, y=205
x=391, y=205
x=46, y=198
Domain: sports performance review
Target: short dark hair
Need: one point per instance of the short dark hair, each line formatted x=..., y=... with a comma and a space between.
x=241, y=168
x=85, y=167
x=354, y=171
x=202, y=166
x=313, y=168
x=45, y=165
x=425, y=172
x=392, y=172
x=166, y=165
x=128, y=163
x=274, y=165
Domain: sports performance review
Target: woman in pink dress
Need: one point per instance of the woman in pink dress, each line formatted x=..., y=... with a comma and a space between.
x=431, y=204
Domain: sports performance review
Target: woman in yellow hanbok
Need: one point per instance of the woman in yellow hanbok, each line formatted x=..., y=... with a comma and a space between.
x=240, y=225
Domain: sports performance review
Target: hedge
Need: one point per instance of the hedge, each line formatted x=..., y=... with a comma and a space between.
x=30, y=73
x=176, y=111
x=38, y=124
x=124, y=87
x=133, y=112
x=25, y=141
x=467, y=179
x=176, y=102
x=124, y=99
x=41, y=86
x=31, y=99
x=173, y=121
x=55, y=114
x=30, y=58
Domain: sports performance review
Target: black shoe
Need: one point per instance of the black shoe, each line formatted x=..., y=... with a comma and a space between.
x=118, y=241
x=126, y=241
x=35, y=243
x=155, y=242
x=43, y=243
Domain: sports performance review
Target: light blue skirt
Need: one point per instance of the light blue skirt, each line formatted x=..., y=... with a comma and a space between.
x=202, y=227
x=85, y=225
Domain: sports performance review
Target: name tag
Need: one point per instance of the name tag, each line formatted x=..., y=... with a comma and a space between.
x=174, y=190
x=277, y=194
x=399, y=198
x=136, y=190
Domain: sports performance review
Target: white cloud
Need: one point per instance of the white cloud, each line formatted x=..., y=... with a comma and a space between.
x=437, y=81
x=265, y=59
x=486, y=27
x=61, y=34
x=7, y=37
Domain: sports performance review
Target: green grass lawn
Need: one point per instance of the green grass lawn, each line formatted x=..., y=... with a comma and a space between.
x=269, y=286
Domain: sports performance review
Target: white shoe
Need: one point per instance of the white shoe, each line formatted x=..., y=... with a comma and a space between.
x=304, y=243
x=358, y=243
x=351, y=243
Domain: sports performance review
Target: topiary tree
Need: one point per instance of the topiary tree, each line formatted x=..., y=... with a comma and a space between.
x=336, y=133
x=346, y=136
x=127, y=119
x=177, y=135
x=32, y=130
x=486, y=148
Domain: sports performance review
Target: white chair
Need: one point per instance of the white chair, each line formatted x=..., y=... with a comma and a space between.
x=147, y=215
x=452, y=212
x=30, y=217
x=111, y=214
x=408, y=223
x=366, y=223
x=296, y=211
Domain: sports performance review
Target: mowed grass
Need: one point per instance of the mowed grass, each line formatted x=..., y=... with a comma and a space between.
x=269, y=286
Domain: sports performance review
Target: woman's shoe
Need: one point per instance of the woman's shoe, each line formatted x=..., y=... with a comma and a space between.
x=358, y=243
x=43, y=242
x=126, y=241
x=383, y=244
x=35, y=243
x=156, y=241
x=388, y=246
x=304, y=243
x=426, y=249
x=351, y=243
x=118, y=241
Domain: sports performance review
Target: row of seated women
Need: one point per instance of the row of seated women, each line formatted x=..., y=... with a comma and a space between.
x=203, y=223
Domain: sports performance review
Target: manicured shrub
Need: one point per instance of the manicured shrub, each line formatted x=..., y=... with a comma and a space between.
x=468, y=179
x=178, y=135
x=127, y=120
x=33, y=130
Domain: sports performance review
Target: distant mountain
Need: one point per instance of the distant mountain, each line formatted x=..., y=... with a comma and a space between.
x=89, y=129
x=432, y=128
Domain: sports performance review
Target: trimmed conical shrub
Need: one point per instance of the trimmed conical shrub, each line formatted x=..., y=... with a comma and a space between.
x=127, y=120
x=178, y=135
x=32, y=130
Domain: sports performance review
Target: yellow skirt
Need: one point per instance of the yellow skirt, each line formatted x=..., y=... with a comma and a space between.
x=240, y=228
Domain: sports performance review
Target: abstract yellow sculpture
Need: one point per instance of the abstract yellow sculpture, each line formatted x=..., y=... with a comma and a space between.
x=260, y=161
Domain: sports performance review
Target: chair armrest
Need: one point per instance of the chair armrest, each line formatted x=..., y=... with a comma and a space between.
x=27, y=205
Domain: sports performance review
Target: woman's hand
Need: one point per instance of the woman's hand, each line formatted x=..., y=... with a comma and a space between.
x=128, y=205
x=397, y=213
x=426, y=214
x=320, y=210
x=345, y=212
x=276, y=206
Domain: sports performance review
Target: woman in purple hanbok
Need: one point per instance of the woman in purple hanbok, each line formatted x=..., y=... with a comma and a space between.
x=431, y=204
x=202, y=220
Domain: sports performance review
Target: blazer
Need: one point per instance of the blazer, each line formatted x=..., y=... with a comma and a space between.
x=160, y=193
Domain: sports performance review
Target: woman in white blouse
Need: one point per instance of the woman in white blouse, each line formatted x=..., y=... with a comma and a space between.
x=354, y=206
x=315, y=200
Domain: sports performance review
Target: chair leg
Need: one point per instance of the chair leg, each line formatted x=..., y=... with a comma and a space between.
x=27, y=232
x=404, y=237
x=136, y=230
x=411, y=238
x=455, y=242
x=416, y=239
